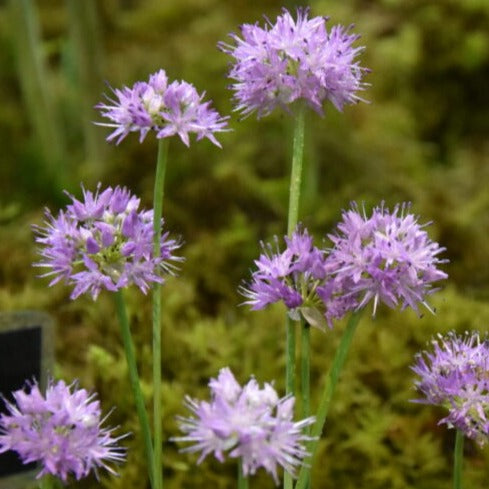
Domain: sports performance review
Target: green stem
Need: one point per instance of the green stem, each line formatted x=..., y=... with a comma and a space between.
x=306, y=373
x=242, y=479
x=324, y=404
x=293, y=216
x=458, y=455
x=46, y=482
x=161, y=164
x=305, y=369
x=134, y=380
x=296, y=173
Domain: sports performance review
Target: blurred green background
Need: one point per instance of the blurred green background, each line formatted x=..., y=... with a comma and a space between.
x=423, y=138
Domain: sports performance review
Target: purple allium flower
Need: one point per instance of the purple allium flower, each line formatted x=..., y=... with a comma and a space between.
x=455, y=375
x=62, y=430
x=292, y=276
x=294, y=60
x=387, y=258
x=249, y=423
x=166, y=108
x=103, y=242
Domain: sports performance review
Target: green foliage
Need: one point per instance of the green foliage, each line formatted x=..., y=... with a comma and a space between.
x=423, y=138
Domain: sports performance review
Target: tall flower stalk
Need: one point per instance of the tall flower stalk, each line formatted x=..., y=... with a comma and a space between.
x=458, y=456
x=326, y=398
x=242, y=479
x=292, y=220
x=135, y=383
x=157, y=360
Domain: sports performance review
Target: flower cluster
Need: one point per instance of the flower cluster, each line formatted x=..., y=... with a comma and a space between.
x=292, y=276
x=166, y=108
x=456, y=376
x=62, y=431
x=104, y=242
x=291, y=60
x=250, y=423
x=387, y=257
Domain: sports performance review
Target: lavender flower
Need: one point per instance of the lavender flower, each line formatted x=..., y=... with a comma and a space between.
x=292, y=276
x=294, y=60
x=387, y=258
x=456, y=376
x=249, y=423
x=103, y=242
x=62, y=430
x=166, y=108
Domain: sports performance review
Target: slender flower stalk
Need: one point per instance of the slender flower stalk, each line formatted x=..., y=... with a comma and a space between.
x=293, y=216
x=242, y=479
x=306, y=372
x=137, y=393
x=327, y=396
x=292, y=220
x=305, y=368
x=157, y=401
x=296, y=170
x=458, y=455
x=46, y=482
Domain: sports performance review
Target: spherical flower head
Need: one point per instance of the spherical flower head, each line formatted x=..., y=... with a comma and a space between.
x=168, y=109
x=294, y=59
x=292, y=276
x=250, y=423
x=387, y=257
x=104, y=242
x=455, y=375
x=61, y=430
